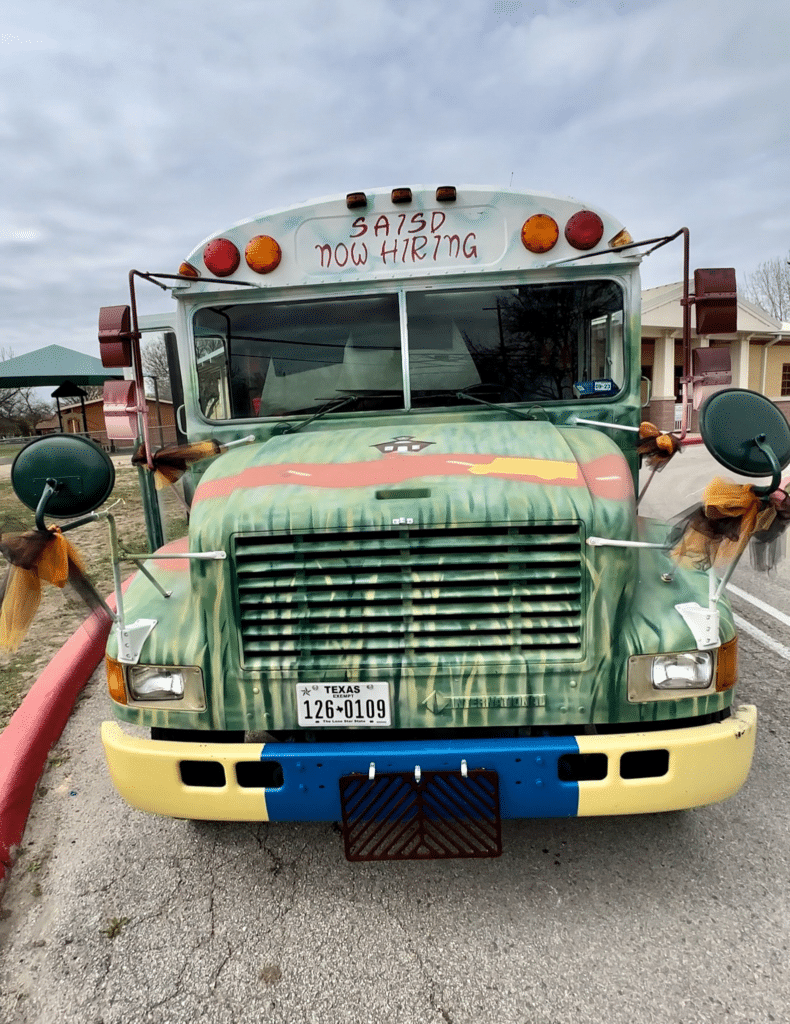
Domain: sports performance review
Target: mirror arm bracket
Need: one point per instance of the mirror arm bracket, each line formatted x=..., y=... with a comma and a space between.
x=50, y=487
x=776, y=469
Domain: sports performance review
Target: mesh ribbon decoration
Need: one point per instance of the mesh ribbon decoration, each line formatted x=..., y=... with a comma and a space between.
x=172, y=461
x=765, y=550
x=36, y=556
x=715, y=533
x=657, y=446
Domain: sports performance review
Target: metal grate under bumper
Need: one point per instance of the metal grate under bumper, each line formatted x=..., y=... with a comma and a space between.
x=434, y=816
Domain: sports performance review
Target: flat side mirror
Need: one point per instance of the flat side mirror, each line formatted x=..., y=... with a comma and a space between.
x=115, y=336
x=712, y=372
x=120, y=409
x=716, y=301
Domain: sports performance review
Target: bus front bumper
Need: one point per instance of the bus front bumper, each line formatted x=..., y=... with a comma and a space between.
x=539, y=777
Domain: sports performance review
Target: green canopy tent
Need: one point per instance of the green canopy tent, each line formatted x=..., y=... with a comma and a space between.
x=56, y=365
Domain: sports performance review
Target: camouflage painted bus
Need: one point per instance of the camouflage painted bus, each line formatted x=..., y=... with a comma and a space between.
x=417, y=599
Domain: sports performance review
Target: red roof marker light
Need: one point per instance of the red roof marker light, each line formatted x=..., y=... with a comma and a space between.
x=221, y=257
x=584, y=230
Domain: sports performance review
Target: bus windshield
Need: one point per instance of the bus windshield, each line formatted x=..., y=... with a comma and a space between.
x=521, y=343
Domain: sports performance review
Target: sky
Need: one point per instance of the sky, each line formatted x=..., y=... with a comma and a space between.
x=132, y=129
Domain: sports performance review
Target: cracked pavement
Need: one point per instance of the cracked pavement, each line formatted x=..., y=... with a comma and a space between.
x=115, y=917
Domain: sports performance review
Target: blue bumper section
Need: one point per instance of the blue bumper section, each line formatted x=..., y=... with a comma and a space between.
x=529, y=785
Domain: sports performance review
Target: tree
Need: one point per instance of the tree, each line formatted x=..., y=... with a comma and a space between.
x=769, y=287
x=20, y=408
x=155, y=364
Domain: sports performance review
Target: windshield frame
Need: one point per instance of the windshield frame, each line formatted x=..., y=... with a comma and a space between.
x=401, y=291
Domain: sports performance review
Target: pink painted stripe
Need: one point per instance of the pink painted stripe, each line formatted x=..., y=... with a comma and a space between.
x=607, y=476
x=391, y=469
x=175, y=547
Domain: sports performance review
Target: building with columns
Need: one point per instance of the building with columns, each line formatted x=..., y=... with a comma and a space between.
x=759, y=352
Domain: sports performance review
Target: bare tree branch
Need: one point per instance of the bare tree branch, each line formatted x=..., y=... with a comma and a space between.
x=20, y=408
x=155, y=364
x=769, y=287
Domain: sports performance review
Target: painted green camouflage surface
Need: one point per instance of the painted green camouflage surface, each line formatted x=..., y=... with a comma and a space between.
x=628, y=609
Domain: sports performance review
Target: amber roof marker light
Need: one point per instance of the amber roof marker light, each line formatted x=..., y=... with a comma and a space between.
x=263, y=254
x=401, y=195
x=621, y=238
x=539, y=233
x=446, y=194
x=187, y=270
x=355, y=200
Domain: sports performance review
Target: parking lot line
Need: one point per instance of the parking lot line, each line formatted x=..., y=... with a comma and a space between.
x=758, y=634
x=759, y=604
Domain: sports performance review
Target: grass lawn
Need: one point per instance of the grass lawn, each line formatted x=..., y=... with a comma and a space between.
x=8, y=451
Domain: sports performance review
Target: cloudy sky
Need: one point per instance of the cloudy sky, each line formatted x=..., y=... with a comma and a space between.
x=131, y=129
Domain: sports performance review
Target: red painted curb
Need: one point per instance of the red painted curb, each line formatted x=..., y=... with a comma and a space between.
x=37, y=724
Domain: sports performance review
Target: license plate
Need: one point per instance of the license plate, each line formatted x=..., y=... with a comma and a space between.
x=330, y=704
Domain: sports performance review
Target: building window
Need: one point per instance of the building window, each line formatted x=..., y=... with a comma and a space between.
x=785, y=378
x=678, y=384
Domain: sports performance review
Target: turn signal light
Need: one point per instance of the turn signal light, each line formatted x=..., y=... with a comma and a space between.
x=262, y=254
x=115, y=680
x=584, y=230
x=540, y=233
x=621, y=238
x=727, y=666
x=221, y=257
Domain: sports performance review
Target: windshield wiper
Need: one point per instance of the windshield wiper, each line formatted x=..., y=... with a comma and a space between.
x=333, y=405
x=465, y=396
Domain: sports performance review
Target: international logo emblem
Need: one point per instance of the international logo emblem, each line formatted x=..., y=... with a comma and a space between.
x=401, y=446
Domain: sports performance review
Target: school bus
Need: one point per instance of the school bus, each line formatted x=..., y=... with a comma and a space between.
x=414, y=595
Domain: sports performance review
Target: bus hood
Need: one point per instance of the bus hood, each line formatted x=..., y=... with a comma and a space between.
x=512, y=472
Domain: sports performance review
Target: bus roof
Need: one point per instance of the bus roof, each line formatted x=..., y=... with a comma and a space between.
x=386, y=234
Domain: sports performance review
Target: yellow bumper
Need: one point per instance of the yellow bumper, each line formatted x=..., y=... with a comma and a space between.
x=707, y=764
x=147, y=775
x=703, y=765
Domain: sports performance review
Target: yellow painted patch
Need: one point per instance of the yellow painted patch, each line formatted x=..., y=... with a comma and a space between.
x=146, y=774
x=544, y=469
x=707, y=763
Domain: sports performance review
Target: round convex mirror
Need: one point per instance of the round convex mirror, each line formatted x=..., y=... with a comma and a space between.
x=732, y=421
x=82, y=470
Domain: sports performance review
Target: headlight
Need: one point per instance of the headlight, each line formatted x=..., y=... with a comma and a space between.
x=180, y=684
x=150, y=683
x=671, y=676
x=686, y=671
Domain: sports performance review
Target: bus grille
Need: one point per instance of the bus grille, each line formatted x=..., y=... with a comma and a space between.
x=413, y=593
